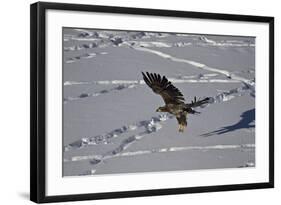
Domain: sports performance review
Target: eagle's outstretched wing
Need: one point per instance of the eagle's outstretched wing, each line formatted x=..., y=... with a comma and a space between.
x=161, y=85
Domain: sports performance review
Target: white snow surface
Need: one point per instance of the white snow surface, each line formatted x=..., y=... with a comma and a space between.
x=109, y=122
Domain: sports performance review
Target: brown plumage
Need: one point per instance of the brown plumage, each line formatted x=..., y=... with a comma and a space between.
x=173, y=98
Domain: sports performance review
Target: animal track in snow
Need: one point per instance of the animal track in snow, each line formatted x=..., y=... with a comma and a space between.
x=197, y=65
x=95, y=94
x=84, y=56
x=128, y=84
x=95, y=159
x=151, y=125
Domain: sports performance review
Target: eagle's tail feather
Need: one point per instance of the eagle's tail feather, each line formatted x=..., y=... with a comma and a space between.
x=191, y=111
x=194, y=112
x=196, y=102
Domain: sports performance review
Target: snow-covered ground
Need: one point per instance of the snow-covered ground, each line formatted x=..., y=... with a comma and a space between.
x=110, y=123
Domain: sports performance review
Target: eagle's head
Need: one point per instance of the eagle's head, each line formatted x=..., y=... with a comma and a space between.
x=161, y=109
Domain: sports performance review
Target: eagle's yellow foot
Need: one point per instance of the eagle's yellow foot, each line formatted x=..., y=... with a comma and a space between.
x=181, y=128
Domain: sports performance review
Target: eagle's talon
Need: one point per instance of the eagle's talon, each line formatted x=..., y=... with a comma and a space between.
x=181, y=128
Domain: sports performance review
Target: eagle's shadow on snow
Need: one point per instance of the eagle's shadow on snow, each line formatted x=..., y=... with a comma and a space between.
x=247, y=118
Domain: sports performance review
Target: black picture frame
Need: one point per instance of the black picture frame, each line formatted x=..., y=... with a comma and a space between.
x=38, y=101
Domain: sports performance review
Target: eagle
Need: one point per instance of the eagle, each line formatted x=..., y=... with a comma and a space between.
x=173, y=98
